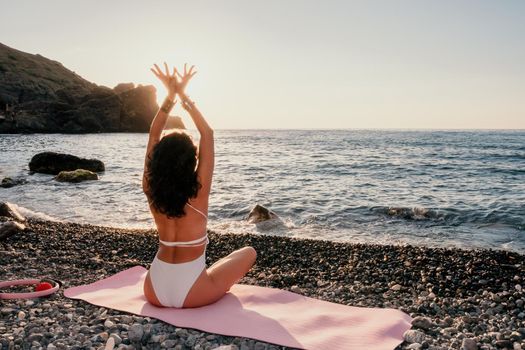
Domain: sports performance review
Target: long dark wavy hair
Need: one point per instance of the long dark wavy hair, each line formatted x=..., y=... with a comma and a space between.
x=172, y=176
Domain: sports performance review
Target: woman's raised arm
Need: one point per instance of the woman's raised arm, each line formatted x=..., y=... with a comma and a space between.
x=170, y=81
x=206, y=144
x=159, y=122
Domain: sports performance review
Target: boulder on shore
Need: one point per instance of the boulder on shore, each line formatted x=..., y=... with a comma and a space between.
x=8, y=210
x=53, y=163
x=10, y=228
x=77, y=175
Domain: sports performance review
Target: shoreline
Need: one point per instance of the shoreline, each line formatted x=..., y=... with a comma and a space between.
x=41, y=216
x=457, y=294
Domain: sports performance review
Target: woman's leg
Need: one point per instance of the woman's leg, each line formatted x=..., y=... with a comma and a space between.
x=213, y=283
x=230, y=269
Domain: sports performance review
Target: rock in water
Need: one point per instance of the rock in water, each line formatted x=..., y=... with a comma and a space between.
x=78, y=175
x=8, y=182
x=53, y=163
x=410, y=213
x=8, y=210
x=260, y=214
x=10, y=228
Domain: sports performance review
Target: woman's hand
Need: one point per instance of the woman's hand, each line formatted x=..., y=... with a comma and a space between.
x=169, y=80
x=184, y=79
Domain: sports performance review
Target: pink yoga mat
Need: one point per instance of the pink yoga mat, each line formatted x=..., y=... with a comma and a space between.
x=267, y=314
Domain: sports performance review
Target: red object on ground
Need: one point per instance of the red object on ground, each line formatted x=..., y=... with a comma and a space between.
x=43, y=286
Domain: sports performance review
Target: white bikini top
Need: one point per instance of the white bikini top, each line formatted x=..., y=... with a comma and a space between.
x=194, y=243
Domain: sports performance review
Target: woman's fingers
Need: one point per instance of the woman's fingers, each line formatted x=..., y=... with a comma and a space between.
x=188, y=77
x=154, y=72
x=171, y=79
x=159, y=72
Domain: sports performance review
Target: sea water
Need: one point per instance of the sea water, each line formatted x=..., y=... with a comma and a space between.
x=432, y=188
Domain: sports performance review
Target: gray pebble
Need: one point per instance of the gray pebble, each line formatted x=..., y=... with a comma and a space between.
x=35, y=337
x=84, y=329
x=190, y=342
x=396, y=287
x=6, y=310
x=227, y=347
x=260, y=346
x=159, y=338
x=126, y=319
x=181, y=332
x=469, y=344
x=168, y=343
x=414, y=336
x=135, y=333
x=415, y=346
x=295, y=289
x=116, y=337
x=422, y=322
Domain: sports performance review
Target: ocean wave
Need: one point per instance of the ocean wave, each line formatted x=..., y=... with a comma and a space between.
x=414, y=213
x=454, y=217
x=34, y=214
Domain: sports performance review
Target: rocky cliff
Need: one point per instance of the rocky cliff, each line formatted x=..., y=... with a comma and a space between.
x=41, y=95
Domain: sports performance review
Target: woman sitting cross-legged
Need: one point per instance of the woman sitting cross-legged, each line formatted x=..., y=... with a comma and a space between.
x=177, y=182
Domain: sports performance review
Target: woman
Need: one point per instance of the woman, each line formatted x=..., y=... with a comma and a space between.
x=177, y=182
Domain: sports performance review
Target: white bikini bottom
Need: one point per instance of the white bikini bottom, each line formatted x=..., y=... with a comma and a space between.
x=172, y=282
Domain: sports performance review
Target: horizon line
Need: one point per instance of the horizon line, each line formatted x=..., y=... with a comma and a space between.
x=393, y=129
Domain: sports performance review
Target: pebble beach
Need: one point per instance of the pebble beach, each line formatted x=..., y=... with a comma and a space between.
x=459, y=299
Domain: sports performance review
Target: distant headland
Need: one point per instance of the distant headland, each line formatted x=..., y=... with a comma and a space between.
x=39, y=95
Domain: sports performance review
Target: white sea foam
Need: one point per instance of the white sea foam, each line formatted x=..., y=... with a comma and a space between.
x=28, y=213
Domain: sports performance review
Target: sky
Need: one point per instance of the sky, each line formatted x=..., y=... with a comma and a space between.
x=289, y=64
